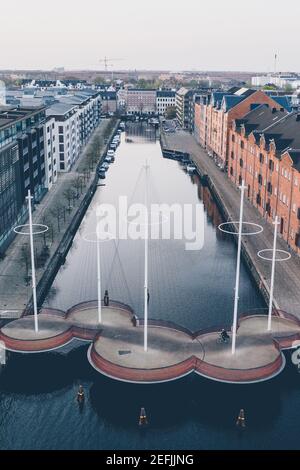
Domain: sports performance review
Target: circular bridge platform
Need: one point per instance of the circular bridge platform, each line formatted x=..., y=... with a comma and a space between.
x=117, y=344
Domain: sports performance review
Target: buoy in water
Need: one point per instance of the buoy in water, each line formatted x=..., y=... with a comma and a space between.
x=241, y=422
x=80, y=394
x=143, y=418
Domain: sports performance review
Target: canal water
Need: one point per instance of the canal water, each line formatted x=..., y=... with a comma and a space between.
x=38, y=407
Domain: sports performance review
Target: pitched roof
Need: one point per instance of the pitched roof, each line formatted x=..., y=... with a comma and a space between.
x=229, y=101
x=283, y=101
x=260, y=118
x=295, y=156
x=285, y=133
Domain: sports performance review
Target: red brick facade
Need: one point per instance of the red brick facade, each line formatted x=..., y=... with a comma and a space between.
x=214, y=123
x=273, y=183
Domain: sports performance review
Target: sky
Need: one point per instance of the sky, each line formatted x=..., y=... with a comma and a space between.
x=153, y=34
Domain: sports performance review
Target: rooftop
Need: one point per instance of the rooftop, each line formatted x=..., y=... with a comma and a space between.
x=9, y=115
x=259, y=118
x=59, y=109
x=165, y=93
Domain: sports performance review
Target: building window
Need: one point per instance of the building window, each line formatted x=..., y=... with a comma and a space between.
x=259, y=179
x=269, y=188
x=258, y=199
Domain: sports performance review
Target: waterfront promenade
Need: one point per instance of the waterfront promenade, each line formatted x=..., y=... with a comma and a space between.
x=287, y=277
x=15, y=292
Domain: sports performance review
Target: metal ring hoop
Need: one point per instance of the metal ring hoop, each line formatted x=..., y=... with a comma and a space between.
x=260, y=255
x=252, y=224
x=43, y=229
x=87, y=238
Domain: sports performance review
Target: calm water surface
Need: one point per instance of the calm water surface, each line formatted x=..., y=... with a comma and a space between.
x=38, y=407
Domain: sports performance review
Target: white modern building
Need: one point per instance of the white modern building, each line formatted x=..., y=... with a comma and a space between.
x=2, y=93
x=281, y=80
x=164, y=99
x=66, y=134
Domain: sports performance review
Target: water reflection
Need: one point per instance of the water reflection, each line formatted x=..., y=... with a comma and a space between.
x=194, y=289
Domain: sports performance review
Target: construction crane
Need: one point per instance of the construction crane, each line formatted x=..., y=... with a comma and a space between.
x=107, y=63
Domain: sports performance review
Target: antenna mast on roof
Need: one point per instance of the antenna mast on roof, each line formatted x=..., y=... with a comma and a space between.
x=275, y=64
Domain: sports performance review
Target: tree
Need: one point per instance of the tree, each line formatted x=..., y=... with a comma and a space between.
x=25, y=259
x=171, y=112
x=288, y=88
x=99, y=81
x=46, y=221
x=77, y=184
x=58, y=212
x=270, y=86
x=141, y=107
x=68, y=194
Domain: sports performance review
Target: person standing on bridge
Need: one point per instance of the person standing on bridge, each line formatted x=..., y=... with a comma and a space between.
x=106, y=299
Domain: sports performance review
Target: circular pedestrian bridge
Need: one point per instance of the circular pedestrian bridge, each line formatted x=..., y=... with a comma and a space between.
x=117, y=344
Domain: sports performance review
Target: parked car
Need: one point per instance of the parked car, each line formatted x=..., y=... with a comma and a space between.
x=101, y=173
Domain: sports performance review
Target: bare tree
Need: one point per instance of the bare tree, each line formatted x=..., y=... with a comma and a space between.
x=58, y=212
x=25, y=260
x=77, y=184
x=69, y=196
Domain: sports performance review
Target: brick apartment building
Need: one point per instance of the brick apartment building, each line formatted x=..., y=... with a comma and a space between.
x=215, y=117
x=137, y=101
x=264, y=151
x=200, y=117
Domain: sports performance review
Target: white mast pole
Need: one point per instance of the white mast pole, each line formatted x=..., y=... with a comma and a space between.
x=276, y=222
x=99, y=278
x=98, y=272
x=238, y=266
x=35, y=310
x=146, y=262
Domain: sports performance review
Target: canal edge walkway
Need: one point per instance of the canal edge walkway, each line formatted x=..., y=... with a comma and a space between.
x=287, y=287
x=11, y=273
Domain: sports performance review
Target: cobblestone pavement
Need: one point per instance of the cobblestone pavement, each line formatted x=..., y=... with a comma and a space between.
x=287, y=277
x=14, y=291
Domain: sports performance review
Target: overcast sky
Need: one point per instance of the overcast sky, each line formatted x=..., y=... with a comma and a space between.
x=153, y=34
